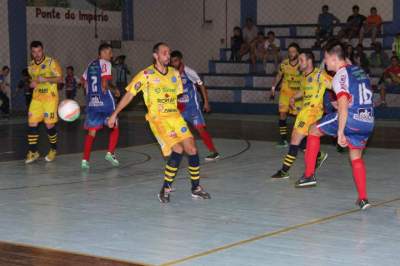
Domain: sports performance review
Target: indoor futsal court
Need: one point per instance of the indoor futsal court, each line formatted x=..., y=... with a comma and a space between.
x=190, y=132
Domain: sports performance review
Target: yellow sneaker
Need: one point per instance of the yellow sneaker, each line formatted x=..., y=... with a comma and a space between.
x=51, y=155
x=31, y=157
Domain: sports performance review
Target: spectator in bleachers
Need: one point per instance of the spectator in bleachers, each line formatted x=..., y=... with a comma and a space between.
x=272, y=50
x=249, y=32
x=24, y=84
x=396, y=45
x=353, y=24
x=121, y=74
x=350, y=53
x=372, y=24
x=360, y=58
x=257, y=50
x=236, y=44
x=390, y=79
x=326, y=23
x=378, y=60
x=71, y=83
x=5, y=92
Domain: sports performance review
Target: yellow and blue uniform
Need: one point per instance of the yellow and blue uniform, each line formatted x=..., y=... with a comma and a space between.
x=45, y=96
x=290, y=85
x=313, y=86
x=160, y=93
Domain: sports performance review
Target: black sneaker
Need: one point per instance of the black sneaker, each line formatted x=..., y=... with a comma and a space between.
x=304, y=182
x=163, y=196
x=199, y=193
x=280, y=175
x=363, y=204
x=212, y=157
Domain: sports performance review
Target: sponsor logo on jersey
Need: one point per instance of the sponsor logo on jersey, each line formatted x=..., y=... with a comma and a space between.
x=364, y=115
x=172, y=134
x=184, y=129
x=43, y=66
x=310, y=79
x=138, y=85
x=148, y=72
x=173, y=79
x=156, y=80
x=157, y=90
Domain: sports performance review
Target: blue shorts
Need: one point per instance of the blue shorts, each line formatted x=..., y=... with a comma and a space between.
x=357, y=132
x=96, y=120
x=193, y=116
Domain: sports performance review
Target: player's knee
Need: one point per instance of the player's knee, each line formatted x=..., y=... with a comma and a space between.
x=191, y=149
x=178, y=148
x=314, y=131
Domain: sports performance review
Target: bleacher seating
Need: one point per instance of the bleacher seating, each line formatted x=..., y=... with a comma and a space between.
x=233, y=88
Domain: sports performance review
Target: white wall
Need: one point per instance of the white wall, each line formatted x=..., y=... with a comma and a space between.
x=180, y=24
x=306, y=11
x=4, y=46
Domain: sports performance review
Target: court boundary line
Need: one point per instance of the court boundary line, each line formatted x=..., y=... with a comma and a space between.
x=273, y=233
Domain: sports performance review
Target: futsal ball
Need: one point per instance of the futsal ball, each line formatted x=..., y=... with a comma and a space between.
x=69, y=110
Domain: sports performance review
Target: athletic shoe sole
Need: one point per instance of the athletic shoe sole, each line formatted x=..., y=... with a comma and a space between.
x=309, y=184
x=323, y=160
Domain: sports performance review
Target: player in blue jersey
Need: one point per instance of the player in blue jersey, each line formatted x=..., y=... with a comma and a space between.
x=353, y=122
x=99, y=104
x=189, y=103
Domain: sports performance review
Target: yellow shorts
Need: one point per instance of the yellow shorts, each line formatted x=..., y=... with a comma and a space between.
x=43, y=110
x=305, y=119
x=284, y=101
x=169, y=131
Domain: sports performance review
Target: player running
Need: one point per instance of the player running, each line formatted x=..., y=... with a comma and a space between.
x=99, y=104
x=290, y=75
x=188, y=102
x=46, y=74
x=161, y=86
x=353, y=122
x=313, y=85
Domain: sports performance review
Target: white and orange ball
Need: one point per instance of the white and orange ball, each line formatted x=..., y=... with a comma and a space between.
x=69, y=110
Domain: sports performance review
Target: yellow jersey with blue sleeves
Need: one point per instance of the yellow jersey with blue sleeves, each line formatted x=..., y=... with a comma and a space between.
x=160, y=93
x=313, y=87
x=291, y=75
x=48, y=68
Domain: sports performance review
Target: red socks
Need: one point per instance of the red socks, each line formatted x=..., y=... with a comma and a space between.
x=205, y=136
x=313, y=145
x=113, y=141
x=88, y=147
x=360, y=177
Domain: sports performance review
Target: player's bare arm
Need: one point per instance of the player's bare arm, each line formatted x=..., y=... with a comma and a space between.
x=204, y=93
x=343, y=106
x=278, y=79
x=128, y=97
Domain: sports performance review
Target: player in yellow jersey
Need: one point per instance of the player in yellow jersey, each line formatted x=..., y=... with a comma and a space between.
x=46, y=74
x=290, y=76
x=161, y=85
x=313, y=85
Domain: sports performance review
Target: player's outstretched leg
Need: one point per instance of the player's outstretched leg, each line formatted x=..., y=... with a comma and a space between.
x=360, y=177
x=33, y=139
x=88, y=148
x=113, y=141
x=207, y=140
x=52, y=135
x=194, y=169
x=171, y=169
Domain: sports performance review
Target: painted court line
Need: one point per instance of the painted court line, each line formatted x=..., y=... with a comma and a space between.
x=273, y=233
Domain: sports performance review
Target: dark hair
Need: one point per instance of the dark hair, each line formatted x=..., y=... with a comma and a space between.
x=271, y=33
x=325, y=7
x=176, y=53
x=373, y=8
x=356, y=7
x=36, y=44
x=309, y=54
x=336, y=47
x=70, y=67
x=157, y=46
x=249, y=19
x=104, y=46
x=5, y=68
x=394, y=57
x=294, y=45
